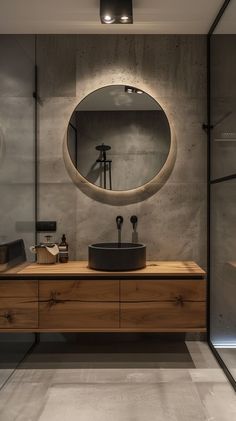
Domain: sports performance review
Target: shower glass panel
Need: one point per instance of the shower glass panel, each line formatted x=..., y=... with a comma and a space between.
x=223, y=191
x=17, y=167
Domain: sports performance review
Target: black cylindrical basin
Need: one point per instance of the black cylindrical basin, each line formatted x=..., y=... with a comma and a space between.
x=116, y=257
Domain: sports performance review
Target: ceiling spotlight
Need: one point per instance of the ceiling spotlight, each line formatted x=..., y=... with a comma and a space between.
x=116, y=11
x=108, y=19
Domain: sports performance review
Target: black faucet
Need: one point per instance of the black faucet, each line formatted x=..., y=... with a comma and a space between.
x=119, y=222
x=134, y=222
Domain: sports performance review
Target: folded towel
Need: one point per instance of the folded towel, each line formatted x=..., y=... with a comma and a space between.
x=54, y=250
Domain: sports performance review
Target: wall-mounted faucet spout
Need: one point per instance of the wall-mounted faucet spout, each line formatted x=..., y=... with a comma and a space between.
x=119, y=222
x=134, y=222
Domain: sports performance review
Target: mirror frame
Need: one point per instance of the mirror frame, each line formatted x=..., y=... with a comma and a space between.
x=119, y=197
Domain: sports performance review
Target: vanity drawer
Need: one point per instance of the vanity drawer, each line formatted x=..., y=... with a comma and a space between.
x=85, y=304
x=163, y=290
x=78, y=316
x=163, y=316
x=171, y=305
x=81, y=290
x=18, y=289
x=18, y=313
x=18, y=304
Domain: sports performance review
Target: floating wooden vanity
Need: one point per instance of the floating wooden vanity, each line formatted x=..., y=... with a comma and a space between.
x=163, y=297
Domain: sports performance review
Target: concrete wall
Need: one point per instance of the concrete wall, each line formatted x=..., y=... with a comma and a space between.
x=173, y=70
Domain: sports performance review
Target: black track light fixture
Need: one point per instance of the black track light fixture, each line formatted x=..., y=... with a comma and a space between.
x=116, y=11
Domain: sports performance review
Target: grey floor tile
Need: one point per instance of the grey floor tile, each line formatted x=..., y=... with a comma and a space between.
x=201, y=355
x=5, y=374
x=54, y=386
x=123, y=402
x=200, y=375
x=218, y=400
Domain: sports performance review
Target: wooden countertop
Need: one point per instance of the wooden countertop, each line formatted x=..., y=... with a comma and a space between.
x=80, y=269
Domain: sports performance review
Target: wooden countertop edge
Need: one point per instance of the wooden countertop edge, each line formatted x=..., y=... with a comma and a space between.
x=73, y=269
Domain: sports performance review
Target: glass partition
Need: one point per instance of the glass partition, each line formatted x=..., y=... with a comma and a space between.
x=223, y=190
x=17, y=168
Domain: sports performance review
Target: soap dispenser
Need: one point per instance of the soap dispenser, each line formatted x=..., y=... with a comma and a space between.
x=63, y=250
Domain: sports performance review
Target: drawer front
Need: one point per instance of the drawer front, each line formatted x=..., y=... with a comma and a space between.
x=84, y=290
x=163, y=304
x=79, y=304
x=18, y=313
x=18, y=304
x=77, y=315
x=163, y=315
x=163, y=290
x=18, y=289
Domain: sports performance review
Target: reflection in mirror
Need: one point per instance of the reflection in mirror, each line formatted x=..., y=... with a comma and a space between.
x=118, y=138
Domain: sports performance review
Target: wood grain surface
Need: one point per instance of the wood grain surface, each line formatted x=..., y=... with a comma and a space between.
x=68, y=304
x=76, y=314
x=163, y=290
x=18, y=289
x=82, y=290
x=172, y=315
x=18, y=313
x=155, y=268
x=101, y=304
x=163, y=304
x=18, y=304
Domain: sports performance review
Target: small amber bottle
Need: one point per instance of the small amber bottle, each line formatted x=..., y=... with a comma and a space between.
x=63, y=250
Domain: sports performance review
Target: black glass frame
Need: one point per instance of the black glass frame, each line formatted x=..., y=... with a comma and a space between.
x=210, y=184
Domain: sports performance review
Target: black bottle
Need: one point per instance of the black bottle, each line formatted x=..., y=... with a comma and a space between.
x=63, y=250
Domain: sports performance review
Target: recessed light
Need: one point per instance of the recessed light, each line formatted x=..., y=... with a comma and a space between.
x=108, y=19
x=124, y=18
x=116, y=11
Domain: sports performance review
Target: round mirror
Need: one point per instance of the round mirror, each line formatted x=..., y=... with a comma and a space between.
x=118, y=138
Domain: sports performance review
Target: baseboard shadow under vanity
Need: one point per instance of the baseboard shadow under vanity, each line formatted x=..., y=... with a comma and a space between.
x=108, y=350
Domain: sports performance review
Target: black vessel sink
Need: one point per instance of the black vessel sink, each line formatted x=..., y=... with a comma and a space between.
x=117, y=257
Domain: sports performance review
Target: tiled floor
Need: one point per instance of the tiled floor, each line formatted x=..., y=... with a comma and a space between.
x=164, y=381
x=228, y=355
x=10, y=355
